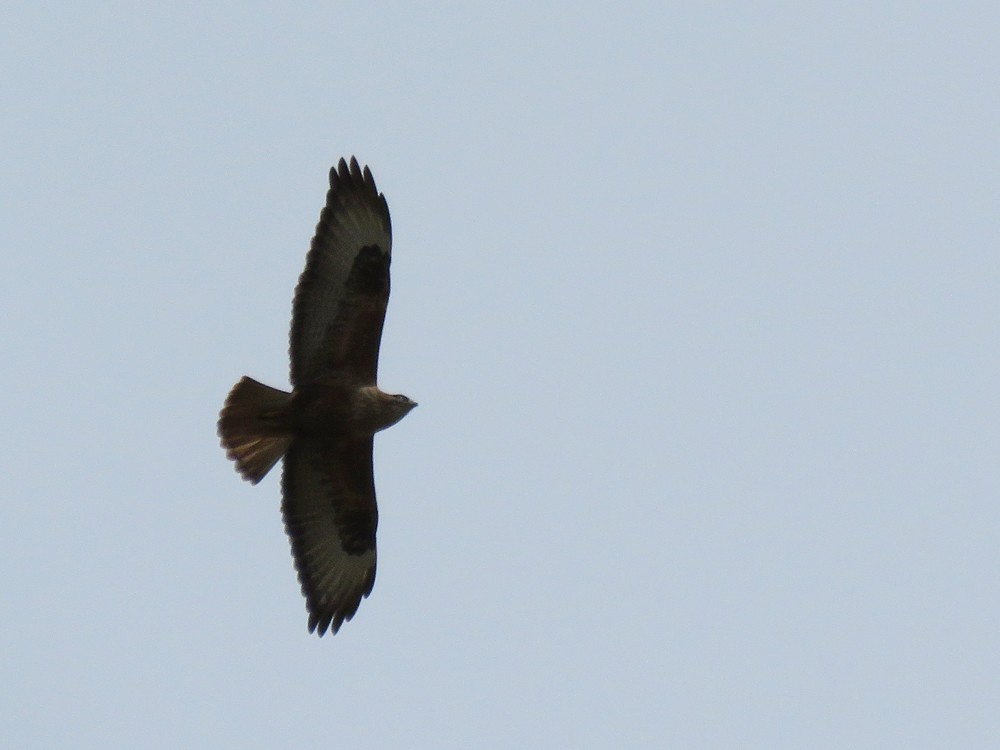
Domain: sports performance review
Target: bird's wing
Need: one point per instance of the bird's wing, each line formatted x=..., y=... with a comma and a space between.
x=342, y=294
x=328, y=503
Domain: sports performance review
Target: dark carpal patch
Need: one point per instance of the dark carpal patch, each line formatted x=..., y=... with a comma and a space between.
x=370, y=271
x=357, y=529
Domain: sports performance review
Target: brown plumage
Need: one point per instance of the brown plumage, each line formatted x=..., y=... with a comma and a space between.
x=323, y=429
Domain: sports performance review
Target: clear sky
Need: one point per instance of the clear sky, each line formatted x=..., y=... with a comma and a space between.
x=700, y=304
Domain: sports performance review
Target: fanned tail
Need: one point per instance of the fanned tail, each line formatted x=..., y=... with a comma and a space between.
x=252, y=426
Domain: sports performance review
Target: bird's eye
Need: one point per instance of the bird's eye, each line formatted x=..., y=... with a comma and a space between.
x=400, y=397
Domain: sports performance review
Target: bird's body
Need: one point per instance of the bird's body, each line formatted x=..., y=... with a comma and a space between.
x=323, y=429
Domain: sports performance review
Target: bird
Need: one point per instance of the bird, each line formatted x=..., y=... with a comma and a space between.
x=323, y=429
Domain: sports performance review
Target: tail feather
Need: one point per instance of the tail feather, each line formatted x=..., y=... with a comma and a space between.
x=253, y=427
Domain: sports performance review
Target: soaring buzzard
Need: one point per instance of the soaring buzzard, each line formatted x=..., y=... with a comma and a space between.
x=324, y=427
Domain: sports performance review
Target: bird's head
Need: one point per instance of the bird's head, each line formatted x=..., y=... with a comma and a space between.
x=393, y=407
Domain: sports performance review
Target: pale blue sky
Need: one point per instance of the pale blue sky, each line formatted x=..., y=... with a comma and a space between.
x=700, y=303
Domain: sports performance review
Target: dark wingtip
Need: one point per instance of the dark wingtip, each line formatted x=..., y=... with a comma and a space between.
x=352, y=172
x=339, y=173
x=319, y=625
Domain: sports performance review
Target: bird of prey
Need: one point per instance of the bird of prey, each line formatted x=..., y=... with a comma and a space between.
x=323, y=429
